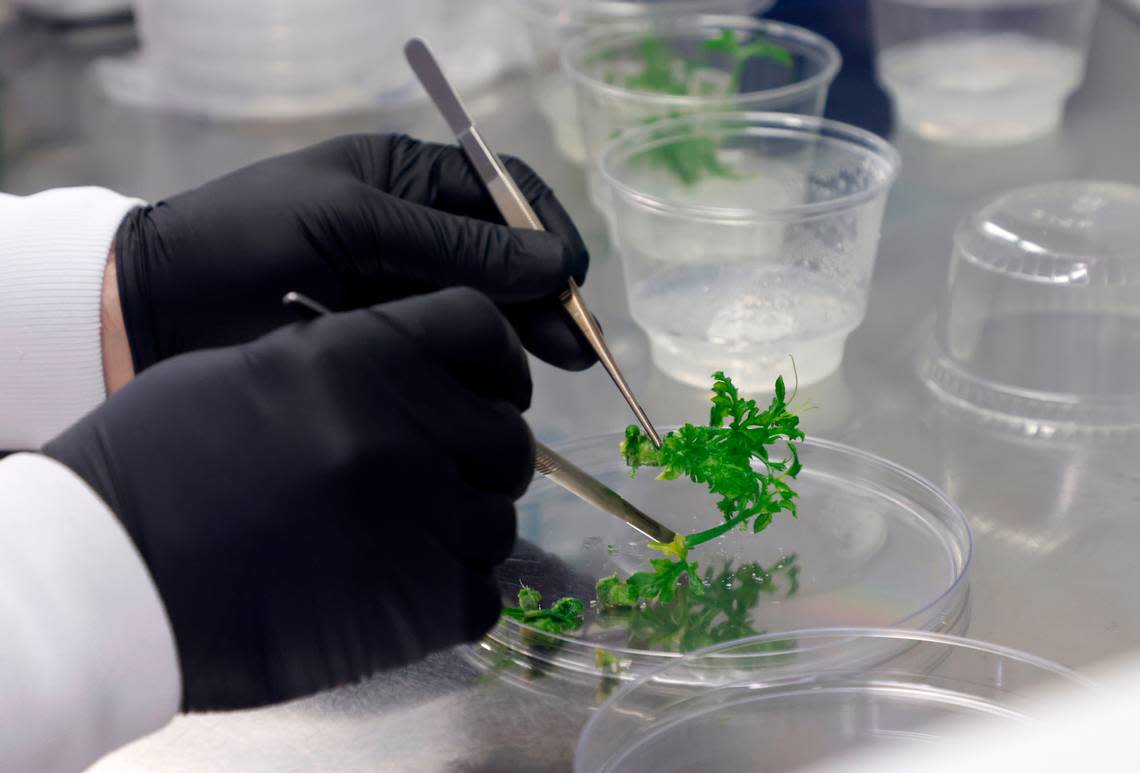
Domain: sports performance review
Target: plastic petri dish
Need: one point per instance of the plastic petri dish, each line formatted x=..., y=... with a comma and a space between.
x=1040, y=323
x=785, y=701
x=873, y=545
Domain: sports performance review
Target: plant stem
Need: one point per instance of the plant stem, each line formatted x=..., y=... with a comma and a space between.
x=701, y=537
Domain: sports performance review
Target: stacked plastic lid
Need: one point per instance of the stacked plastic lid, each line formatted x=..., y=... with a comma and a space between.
x=290, y=58
x=1039, y=327
x=788, y=701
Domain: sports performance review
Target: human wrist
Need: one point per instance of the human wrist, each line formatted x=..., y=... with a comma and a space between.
x=118, y=369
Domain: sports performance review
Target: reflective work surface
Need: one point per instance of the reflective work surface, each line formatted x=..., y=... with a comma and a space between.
x=1055, y=520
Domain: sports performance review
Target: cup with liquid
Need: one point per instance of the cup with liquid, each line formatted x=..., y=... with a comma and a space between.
x=747, y=240
x=981, y=72
x=550, y=24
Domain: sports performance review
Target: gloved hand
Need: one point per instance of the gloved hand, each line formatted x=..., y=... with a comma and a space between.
x=325, y=501
x=350, y=222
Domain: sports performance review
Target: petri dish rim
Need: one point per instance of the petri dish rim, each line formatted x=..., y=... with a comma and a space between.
x=959, y=517
x=756, y=124
x=686, y=26
x=684, y=719
x=837, y=636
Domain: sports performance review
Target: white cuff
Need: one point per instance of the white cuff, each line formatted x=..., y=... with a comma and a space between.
x=53, y=250
x=87, y=656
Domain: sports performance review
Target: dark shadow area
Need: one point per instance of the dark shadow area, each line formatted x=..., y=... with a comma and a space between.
x=855, y=97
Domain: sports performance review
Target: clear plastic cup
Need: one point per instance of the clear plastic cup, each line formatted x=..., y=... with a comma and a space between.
x=786, y=701
x=550, y=23
x=277, y=59
x=629, y=77
x=1039, y=327
x=748, y=239
x=981, y=72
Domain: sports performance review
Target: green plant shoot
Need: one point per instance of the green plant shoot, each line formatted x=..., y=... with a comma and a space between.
x=741, y=55
x=732, y=456
x=662, y=72
x=563, y=615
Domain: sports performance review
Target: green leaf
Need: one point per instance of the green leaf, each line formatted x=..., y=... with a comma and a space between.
x=795, y=467
x=733, y=457
x=564, y=615
x=762, y=522
x=568, y=607
x=762, y=48
x=663, y=71
x=613, y=592
x=529, y=598
x=725, y=43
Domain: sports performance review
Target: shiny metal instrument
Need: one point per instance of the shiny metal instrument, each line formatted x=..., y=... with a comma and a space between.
x=304, y=306
x=596, y=493
x=546, y=462
x=514, y=207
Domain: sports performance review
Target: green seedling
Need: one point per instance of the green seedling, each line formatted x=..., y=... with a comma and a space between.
x=663, y=72
x=733, y=457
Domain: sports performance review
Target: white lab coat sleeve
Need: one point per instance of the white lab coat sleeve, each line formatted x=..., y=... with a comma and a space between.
x=53, y=251
x=87, y=656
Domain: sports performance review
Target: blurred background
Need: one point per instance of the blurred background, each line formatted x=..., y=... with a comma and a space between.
x=272, y=65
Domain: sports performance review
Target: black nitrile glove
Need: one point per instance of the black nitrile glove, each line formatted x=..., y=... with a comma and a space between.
x=325, y=501
x=350, y=222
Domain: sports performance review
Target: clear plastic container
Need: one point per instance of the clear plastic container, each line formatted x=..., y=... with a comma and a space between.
x=622, y=78
x=71, y=10
x=1039, y=327
x=550, y=23
x=785, y=701
x=280, y=59
x=873, y=544
x=982, y=72
x=747, y=239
